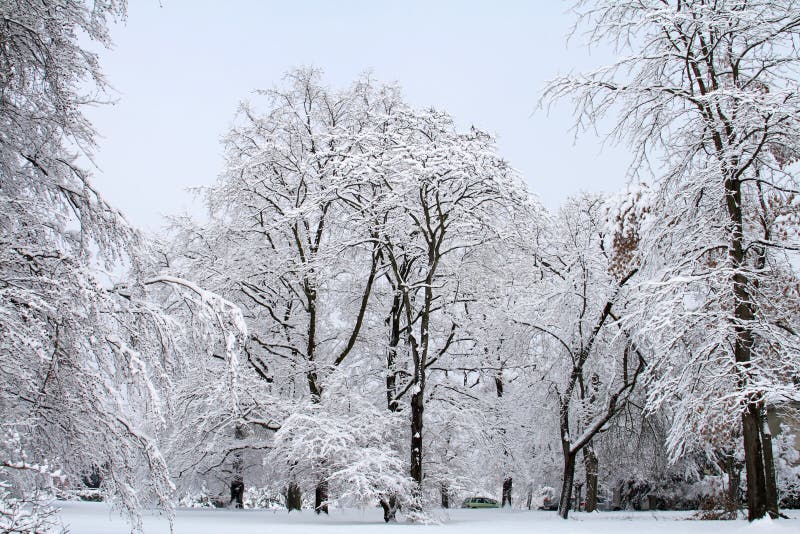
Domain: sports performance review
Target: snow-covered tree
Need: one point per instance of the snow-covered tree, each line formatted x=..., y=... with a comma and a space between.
x=590, y=362
x=85, y=361
x=353, y=440
x=450, y=194
x=72, y=375
x=287, y=238
x=342, y=213
x=709, y=92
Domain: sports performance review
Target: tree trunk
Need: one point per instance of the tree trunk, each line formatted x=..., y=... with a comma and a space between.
x=444, y=490
x=530, y=496
x=734, y=472
x=420, y=356
x=590, y=463
x=93, y=479
x=237, y=481
x=418, y=396
x=237, y=492
x=754, y=465
x=577, y=504
x=507, y=481
x=391, y=354
x=507, y=487
x=294, y=497
x=417, y=411
x=321, y=497
x=389, y=504
x=390, y=507
x=568, y=479
x=321, y=491
x=770, y=485
x=743, y=344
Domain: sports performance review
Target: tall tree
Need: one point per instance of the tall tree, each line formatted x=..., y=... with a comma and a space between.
x=84, y=360
x=287, y=238
x=71, y=344
x=710, y=90
x=449, y=191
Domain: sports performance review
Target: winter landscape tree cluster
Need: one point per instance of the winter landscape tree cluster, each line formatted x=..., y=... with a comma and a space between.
x=375, y=310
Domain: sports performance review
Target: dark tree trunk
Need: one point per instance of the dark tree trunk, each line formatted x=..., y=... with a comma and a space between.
x=734, y=480
x=311, y=343
x=770, y=485
x=530, y=496
x=590, y=463
x=390, y=504
x=321, y=497
x=734, y=471
x=237, y=492
x=498, y=382
x=391, y=354
x=743, y=316
x=444, y=490
x=507, y=481
x=754, y=465
x=294, y=497
x=321, y=491
x=420, y=354
x=237, y=481
x=390, y=507
x=566, y=485
x=508, y=484
x=577, y=504
x=417, y=411
x=93, y=479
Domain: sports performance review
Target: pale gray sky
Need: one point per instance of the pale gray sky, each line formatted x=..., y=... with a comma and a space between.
x=181, y=67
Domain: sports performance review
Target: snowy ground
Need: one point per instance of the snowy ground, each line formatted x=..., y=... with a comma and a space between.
x=96, y=518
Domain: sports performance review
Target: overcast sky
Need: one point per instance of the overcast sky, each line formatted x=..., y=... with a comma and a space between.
x=180, y=68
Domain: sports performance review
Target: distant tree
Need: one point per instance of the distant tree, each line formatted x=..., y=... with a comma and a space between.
x=591, y=363
x=219, y=404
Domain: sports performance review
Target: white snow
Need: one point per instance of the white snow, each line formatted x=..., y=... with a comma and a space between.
x=96, y=518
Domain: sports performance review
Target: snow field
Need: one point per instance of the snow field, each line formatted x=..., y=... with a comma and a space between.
x=97, y=518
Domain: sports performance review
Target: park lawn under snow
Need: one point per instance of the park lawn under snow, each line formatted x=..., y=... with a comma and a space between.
x=96, y=518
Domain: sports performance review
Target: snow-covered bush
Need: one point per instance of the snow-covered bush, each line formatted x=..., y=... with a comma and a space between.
x=348, y=441
x=24, y=508
x=263, y=499
x=787, y=468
